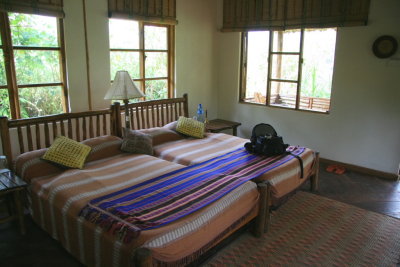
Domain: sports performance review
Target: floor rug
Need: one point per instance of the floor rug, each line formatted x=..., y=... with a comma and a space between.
x=311, y=230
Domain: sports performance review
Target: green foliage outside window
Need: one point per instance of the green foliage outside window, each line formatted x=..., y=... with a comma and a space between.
x=34, y=66
x=125, y=34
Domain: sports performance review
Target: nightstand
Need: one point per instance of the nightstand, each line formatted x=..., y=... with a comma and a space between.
x=11, y=189
x=217, y=125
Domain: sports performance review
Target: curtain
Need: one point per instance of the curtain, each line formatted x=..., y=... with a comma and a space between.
x=39, y=7
x=244, y=15
x=157, y=11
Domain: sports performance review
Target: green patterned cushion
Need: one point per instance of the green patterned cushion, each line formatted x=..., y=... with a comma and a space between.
x=190, y=127
x=67, y=152
x=137, y=142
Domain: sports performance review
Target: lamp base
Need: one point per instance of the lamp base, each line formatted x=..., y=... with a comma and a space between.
x=127, y=115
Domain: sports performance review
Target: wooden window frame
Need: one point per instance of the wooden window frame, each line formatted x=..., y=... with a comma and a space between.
x=243, y=73
x=9, y=65
x=142, y=57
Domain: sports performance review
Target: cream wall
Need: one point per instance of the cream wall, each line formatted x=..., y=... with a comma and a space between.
x=363, y=127
x=99, y=55
x=196, y=53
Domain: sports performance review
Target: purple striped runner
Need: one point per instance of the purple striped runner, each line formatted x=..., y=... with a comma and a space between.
x=169, y=197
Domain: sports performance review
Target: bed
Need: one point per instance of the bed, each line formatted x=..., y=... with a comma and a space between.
x=57, y=196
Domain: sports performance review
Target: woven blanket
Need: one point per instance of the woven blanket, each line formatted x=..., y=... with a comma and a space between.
x=164, y=199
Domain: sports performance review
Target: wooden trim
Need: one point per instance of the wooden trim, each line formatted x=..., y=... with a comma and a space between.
x=9, y=65
x=243, y=64
x=268, y=93
x=39, y=85
x=89, y=89
x=281, y=107
x=299, y=69
x=137, y=50
x=44, y=48
x=286, y=53
x=5, y=139
x=186, y=105
x=63, y=65
x=142, y=57
x=283, y=80
x=363, y=170
x=171, y=61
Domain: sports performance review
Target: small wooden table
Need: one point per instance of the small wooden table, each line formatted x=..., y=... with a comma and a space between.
x=11, y=186
x=218, y=125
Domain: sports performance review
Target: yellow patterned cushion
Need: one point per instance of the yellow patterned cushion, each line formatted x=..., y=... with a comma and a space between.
x=67, y=152
x=190, y=127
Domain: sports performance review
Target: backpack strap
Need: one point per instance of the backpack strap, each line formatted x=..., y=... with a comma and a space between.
x=301, y=163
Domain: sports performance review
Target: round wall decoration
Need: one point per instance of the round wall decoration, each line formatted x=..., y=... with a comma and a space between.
x=385, y=46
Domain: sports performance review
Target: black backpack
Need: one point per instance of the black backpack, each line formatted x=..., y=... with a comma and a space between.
x=265, y=141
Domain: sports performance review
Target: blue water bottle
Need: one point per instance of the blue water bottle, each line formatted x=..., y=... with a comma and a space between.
x=200, y=113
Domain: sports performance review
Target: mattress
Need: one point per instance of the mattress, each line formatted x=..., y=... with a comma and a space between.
x=189, y=151
x=57, y=199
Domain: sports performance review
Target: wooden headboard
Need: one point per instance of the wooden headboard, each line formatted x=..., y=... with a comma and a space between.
x=23, y=135
x=149, y=114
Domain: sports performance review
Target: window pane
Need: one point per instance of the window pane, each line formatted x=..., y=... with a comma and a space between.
x=33, y=30
x=157, y=89
x=155, y=37
x=283, y=94
x=318, y=62
x=286, y=41
x=4, y=103
x=39, y=101
x=34, y=66
x=128, y=61
x=257, y=67
x=124, y=34
x=156, y=64
x=3, y=79
x=285, y=67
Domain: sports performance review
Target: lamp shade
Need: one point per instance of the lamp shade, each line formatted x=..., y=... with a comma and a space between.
x=123, y=87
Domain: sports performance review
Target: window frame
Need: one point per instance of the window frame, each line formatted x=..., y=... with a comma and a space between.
x=243, y=73
x=170, y=78
x=10, y=70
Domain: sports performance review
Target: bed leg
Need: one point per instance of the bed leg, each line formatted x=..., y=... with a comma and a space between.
x=143, y=257
x=315, y=176
x=267, y=210
x=258, y=229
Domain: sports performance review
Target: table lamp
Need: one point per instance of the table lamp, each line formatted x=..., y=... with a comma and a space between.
x=123, y=88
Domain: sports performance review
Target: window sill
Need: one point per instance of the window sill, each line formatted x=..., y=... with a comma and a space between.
x=286, y=108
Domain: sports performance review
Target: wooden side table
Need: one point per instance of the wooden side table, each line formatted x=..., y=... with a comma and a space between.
x=11, y=187
x=217, y=125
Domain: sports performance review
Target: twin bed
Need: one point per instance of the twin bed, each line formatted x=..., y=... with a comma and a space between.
x=57, y=196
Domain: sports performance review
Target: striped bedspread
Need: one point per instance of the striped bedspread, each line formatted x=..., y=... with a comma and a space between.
x=169, y=197
x=190, y=151
x=56, y=201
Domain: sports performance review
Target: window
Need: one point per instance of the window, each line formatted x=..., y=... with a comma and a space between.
x=32, y=66
x=291, y=69
x=145, y=51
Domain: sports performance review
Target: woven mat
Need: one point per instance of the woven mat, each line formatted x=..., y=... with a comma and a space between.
x=310, y=230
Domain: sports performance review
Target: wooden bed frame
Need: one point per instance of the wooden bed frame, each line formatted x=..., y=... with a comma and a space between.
x=37, y=133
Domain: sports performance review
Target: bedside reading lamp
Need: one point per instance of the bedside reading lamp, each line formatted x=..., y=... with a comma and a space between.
x=123, y=88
